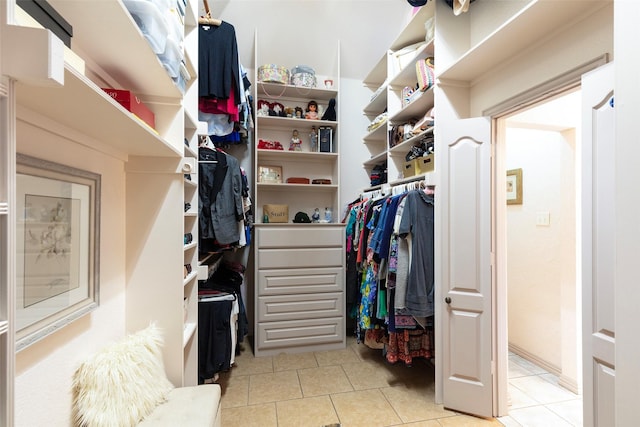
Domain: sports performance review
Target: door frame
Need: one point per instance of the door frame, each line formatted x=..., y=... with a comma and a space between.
x=528, y=98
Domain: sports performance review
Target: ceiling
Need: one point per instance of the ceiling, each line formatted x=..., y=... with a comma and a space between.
x=305, y=31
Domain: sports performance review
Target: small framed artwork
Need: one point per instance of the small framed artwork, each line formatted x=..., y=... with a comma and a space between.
x=514, y=187
x=57, y=242
x=270, y=174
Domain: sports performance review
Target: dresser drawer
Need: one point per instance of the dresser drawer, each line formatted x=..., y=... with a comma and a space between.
x=299, y=281
x=306, y=306
x=300, y=257
x=289, y=335
x=299, y=236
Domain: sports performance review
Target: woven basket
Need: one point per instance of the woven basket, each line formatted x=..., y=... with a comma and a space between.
x=271, y=73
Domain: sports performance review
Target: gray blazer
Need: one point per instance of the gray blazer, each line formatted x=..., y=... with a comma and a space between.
x=219, y=218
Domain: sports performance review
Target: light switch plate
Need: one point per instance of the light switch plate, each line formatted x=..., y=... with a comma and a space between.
x=543, y=218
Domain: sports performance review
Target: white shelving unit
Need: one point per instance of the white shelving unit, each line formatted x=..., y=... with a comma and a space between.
x=386, y=80
x=116, y=55
x=299, y=294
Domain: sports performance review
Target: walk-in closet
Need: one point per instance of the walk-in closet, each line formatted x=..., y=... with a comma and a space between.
x=318, y=213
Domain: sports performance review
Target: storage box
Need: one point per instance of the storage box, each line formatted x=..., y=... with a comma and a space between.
x=276, y=213
x=326, y=139
x=419, y=166
x=133, y=104
x=272, y=73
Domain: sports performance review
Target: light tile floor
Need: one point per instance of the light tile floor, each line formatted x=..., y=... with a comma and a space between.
x=536, y=399
x=356, y=387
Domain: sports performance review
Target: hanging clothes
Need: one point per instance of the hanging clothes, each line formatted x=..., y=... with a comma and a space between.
x=218, y=64
x=221, y=203
x=389, y=244
x=418, y=224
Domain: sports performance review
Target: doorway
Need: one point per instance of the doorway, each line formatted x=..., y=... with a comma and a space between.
x=541, y=146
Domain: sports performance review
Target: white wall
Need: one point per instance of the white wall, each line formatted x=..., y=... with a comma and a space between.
x=353, y=126
x=541, y=259
x=44, y=370
x=550, y=58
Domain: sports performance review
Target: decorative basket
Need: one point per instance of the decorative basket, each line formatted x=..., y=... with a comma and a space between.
x=304, y=76
x=271, y=73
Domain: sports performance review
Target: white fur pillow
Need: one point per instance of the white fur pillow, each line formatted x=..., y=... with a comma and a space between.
x=121, y=384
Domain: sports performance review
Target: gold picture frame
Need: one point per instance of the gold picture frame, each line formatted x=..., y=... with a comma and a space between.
x=514, y=187
x=270, y=174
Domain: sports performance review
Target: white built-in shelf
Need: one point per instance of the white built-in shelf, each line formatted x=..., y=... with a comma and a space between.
x=377, y=75
x=402, y=148
x=319, y=188
x=375, y=160
x=377, y=104
x=536, y=21
x=190, y=122
x=189, y=332
x=190, y=246
x=106, y=31
x=415, y=110
x=191, y=214
x=407, y=75
x=428, y=177
x=414, y=31
x=190, y=277
x=190, y=152
x=276, y=90
x=84, y=106
x=377, y=134
x=267, y=122
x=286, y=155
x=190, y=183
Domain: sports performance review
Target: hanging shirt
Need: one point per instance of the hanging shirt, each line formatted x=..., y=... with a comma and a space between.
x=218, y=65
x=418, y=223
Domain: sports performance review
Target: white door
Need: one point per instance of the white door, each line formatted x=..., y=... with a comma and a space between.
x=464, y=247
x=598, y=246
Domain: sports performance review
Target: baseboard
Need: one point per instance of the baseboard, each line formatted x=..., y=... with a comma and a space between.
x=569, y=383
x=535, y=360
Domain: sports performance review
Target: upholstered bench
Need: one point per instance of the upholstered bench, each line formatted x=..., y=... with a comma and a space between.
x=125, y=384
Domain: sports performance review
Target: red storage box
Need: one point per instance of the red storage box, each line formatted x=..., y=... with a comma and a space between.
x=133, y=104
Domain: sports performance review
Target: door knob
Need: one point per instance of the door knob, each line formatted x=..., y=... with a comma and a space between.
x=447, y=300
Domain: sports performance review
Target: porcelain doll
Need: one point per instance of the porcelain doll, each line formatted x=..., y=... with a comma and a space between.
x=296, y=142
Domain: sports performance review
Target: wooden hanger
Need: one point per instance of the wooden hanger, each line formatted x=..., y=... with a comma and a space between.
x=207, y=19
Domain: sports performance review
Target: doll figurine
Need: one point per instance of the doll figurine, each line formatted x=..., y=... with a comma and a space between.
x=312, y=111
x=316, y=215
x=313, y=138
x=296, y=142
x=327, y=215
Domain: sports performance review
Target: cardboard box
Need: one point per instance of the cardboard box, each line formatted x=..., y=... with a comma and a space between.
x=419, y=166
x=276, y=213
x=131, y=102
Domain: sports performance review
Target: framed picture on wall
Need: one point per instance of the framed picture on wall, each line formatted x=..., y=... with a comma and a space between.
x=57, y=243
x=514, y=187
